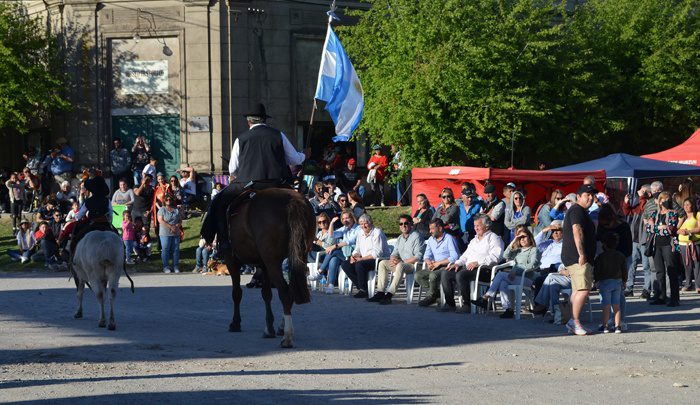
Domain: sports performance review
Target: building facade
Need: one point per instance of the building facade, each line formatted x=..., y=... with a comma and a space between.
x=182, y=73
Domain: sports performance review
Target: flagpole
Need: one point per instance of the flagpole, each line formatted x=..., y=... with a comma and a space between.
x=314, y=107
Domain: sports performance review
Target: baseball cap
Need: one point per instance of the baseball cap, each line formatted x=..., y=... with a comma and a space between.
x=489, y=188
x=587, y=188
x=510, y=185
x=352, y=161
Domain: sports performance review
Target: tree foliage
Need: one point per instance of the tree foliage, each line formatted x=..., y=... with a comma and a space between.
x=453, y=82
x=28, y=87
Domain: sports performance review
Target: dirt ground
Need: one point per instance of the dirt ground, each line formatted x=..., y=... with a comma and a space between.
x=172, y=345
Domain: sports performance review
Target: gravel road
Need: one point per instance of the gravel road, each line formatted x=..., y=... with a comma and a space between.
x=172, y=345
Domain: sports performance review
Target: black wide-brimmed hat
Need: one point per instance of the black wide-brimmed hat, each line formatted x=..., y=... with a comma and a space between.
x=97, y=186
x=257, y=110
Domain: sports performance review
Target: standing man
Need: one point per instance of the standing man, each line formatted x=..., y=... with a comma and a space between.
x=141, y=153
x=578, y=253
x=634, y=210
x=377, y=163
x=261, y=155
x=121, y=164
x=440, y=252
x=61, y=163
x=495, y=209
x=407, y=252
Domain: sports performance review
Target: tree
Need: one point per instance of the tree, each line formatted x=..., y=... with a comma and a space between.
x=455, y=85
x=28, y=87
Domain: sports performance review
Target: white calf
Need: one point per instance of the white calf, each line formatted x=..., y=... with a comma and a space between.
x=99, y=261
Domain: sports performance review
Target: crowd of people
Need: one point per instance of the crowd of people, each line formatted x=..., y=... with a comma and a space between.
x=46, y=196
x=578, y=242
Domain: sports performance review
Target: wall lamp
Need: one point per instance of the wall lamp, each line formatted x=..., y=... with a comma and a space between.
x=150, y=30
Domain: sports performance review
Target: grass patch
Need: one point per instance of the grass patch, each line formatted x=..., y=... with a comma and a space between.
x=387, y=218
x=188, y=248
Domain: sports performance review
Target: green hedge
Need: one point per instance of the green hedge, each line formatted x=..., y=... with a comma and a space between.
x=387, y=218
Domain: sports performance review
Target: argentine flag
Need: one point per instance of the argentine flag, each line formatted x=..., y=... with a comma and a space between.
x=339, y=86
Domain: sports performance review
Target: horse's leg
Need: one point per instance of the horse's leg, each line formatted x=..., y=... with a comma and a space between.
x=269, y=317
x=274, y=273
x=81, y=289
x=112, y=296
x=234, y=271
x=100, y=294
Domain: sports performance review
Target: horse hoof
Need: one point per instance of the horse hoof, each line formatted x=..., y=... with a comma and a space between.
x=286, y=344
x=111, y=326
x=234, y=328
x=280, y=332
x=78, y=315
x=102, y=324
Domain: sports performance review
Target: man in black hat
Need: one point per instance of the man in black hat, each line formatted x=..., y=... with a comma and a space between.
x=495, y=209
x=260, y=158
x=97, y=209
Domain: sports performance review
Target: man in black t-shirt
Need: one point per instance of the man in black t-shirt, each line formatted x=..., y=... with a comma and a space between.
x=578, y=252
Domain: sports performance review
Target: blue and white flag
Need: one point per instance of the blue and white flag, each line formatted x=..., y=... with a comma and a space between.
x=339, y=86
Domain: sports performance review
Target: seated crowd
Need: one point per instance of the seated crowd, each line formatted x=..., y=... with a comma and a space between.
x=454, y=246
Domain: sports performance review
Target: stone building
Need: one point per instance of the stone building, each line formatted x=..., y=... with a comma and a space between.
x=182, y=73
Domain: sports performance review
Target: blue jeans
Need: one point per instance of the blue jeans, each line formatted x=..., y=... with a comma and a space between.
x=202, y=256
x=17, y=256
x=137, y=177
x=638, y=255
x=549, y=293
x=610, y=291
x=170, y=247
x=332, y=263
x=129, y=248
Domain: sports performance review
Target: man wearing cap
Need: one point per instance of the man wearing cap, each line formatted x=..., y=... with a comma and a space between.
x=495, y=209
x=349, y=178
x=62, y=162
x=550, y=250
x=577, y=253
x=469, y=208
x=262, y=156
x=378, y=162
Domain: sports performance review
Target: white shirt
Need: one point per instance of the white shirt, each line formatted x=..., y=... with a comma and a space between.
x=485, y=251
x=550, y=249
x=149, y=170
x=188, y=186
x=374, y=244
x=291, y=155
x=83, y=210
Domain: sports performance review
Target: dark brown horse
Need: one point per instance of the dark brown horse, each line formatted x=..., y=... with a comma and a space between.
x=264, y=230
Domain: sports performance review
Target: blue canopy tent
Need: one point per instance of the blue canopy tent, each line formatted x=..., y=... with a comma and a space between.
x=629, y=169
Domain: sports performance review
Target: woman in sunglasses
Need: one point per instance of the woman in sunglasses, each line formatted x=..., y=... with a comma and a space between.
x=448, y=212
x=324, y=238
x=518, y=215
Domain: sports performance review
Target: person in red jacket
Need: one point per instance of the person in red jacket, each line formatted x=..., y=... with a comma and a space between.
x=377, y=166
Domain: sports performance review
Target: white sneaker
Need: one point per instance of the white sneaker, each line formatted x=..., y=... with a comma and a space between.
x=576, y=329
x=196, y=269
x=23, y=259
x=166, y=270
x=177, y=270
x=329, y=289
x=314, y=277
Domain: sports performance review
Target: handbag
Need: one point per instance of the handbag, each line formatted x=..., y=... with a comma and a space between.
x=650, y=249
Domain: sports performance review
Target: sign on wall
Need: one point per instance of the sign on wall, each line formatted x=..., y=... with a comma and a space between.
x=144, y=77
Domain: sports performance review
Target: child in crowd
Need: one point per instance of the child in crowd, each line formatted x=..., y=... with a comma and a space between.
x=150, y=169
x=128, y=236
x=143, y=240
x=217, y=188
x=75, y=207
x=610, y=268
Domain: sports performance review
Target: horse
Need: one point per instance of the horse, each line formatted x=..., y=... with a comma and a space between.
x=266, y=228
x=98, y=261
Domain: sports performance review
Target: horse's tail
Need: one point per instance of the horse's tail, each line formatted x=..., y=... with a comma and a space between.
x=299, y=223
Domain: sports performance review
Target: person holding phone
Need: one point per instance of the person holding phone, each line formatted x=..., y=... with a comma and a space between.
x=140, y=156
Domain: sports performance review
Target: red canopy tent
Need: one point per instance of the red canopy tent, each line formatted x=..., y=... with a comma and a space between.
x=687, y=153
x=537, y=184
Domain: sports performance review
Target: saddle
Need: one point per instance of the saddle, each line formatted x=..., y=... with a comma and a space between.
x=249, y=191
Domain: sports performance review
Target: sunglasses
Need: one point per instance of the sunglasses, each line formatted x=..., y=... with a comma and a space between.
x=404, y=223
x=445, y=196
x=323, y=222
x=517, y=198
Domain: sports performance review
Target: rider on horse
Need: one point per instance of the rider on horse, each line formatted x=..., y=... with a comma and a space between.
x=95, y=214
x=260, y=158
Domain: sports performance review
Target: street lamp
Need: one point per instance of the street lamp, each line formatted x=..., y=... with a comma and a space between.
x=150, y=30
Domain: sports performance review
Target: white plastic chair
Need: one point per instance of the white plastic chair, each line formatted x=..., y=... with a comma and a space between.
x=313, y=270
x=518, y=290
x=479, y=286
x=372, y=275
